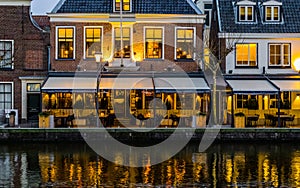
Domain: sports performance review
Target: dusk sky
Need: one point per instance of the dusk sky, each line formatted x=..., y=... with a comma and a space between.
x=40, y=7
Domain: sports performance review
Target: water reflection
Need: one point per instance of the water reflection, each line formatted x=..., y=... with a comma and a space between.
x=223, y=165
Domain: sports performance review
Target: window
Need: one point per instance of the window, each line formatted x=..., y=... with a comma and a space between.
x=207, y=11
x=125, y=4
x=6, y=54
x=246, y=54
x=184, y=43
x=272, y=13
x=122, y=39
x=6, y=93
x=279, y=54
x=93, y=41
x=33, y=87
x=245, y=13
x=65, y=43
x=153, y=40
x=241, y=101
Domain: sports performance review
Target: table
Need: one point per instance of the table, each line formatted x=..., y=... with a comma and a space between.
x=283, y=119
x=63, y=119
x=251, y=118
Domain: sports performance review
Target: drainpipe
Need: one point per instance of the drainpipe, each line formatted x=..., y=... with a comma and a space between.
x=48, y=59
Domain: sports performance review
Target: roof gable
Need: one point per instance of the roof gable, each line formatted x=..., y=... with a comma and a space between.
x=138, y=7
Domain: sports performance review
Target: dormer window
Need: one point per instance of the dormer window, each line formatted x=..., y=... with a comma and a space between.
x=125, y=4
x=272, y=13
x=245, y=13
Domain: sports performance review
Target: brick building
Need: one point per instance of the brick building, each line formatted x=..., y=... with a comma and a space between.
x=23, y=59
x=143, y=38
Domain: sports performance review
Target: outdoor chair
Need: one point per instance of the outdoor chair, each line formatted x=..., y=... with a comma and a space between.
x=290, y=120
x=70, y=119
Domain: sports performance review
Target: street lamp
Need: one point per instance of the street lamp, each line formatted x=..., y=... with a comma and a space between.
x=98, y=59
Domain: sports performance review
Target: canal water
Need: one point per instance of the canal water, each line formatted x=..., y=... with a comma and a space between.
x=222, y=165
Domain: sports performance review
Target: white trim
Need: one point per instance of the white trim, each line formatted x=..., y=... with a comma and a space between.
x=84, y=39
x=272, y=3
x=175, y=41
x=130, y=42
x=56, y=40
x=12, y=93
x=12, y=54
x=258, y=35
x=162, y=40
x=246, y=2
x=149, y=18
x=15, y=2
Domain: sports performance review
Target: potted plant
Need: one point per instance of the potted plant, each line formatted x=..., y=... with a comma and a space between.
x=44, y=119
x=239, y=120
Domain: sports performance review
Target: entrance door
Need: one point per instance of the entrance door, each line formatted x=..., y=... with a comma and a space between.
x=33, y=106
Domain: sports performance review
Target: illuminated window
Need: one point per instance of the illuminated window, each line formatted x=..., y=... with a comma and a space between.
x=153, y=39
x=272, y=13
x=93, y=39
x=245, y=13
x=126, y=4
x=6, y=54
x=184, y=43
x=33, y=87
x=122, y=39
x=65, y=37
x=6, y=96
x=246, y=54
x=279, y=54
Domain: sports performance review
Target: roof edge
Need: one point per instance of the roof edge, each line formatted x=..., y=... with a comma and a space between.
x=58, y=6
x=194, y=6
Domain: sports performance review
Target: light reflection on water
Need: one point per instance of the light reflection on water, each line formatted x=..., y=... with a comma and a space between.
x=223, y=165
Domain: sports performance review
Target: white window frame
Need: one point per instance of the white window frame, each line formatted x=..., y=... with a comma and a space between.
x=248, y=65
x=12, y=93
x=272, y=13
x=56, y=41
x=131, y=41
x=12, y=54
x=209, y=16
x=84, y=39
x=162, y=40
x=175, y=41
x=246, y=13
x=281, y=54
x=130, y=7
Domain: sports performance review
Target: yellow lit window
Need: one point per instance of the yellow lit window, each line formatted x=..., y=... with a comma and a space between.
x=272, y=13
x=279, y=54
x=184, y=43
x=246, y=54
x=153, y=40
x=92, y=41
x=65, y=43
x=246, y=13
x=125, y=5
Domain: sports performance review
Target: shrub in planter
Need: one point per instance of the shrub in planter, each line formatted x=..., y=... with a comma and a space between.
x=239, y=120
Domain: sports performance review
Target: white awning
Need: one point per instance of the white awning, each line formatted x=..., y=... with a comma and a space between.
x=126, y=83
x=186, y=84
x=70, y=84
x=287, y=85
x=252, y=87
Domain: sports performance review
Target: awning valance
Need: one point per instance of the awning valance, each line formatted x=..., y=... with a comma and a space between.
x=186, y=84
x=70, y=84
x=287, y=85
x=126, y=83
x=252, y=87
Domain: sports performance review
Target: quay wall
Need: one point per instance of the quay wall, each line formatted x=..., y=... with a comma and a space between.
x=157, y=135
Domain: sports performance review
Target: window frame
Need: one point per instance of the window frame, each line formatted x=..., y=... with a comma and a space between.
x=246, y=13
x=12, y=55
x=57, y=42
x=162, y=42
x=115, y=6
x=281, y=54
x=85, y=50
x=130, y=41
x=208, y=15
x=248, y=65
x=194, y=43
x=272, y=13
x=12, y=94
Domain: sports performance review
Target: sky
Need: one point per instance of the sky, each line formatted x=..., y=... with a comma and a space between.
x=41, y=7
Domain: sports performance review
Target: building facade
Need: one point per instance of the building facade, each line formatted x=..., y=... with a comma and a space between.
x=139, y=40
x=23, y=60
x=257, y=44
